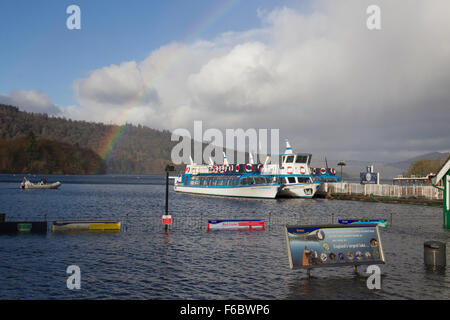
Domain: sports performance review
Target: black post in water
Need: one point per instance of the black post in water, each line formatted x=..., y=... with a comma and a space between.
x=167, y=197
x=168, y=169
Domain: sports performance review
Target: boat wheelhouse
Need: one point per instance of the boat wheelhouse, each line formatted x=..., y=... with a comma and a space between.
x=294, y=174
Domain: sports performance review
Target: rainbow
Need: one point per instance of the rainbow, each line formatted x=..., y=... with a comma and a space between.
x=111, y=140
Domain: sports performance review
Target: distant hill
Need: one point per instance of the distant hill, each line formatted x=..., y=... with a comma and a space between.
x=126, y=149
x=404, y=165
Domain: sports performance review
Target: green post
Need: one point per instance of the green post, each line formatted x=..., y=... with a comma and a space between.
x=446, y=199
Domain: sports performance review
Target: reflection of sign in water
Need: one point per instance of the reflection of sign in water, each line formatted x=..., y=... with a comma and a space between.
x=333, y=245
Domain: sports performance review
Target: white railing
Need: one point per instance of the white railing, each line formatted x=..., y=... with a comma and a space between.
x=383, y=190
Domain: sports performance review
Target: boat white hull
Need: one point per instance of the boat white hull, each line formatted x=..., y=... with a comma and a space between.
x=302, y=190
x=40, y=186
x=267, y=192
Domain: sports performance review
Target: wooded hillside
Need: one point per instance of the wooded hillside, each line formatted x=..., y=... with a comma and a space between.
x=35, y=155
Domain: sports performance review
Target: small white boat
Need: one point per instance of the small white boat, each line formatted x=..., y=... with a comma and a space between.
x=41, y=185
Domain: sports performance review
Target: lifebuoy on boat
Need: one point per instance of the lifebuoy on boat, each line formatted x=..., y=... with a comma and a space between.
x=260, y=167
x=323, y=171
x=238, y=168
x=314, y=171
x=289, y=170
x=188, y=169
x=249, y=167
x=333, y=170
x=302, y=170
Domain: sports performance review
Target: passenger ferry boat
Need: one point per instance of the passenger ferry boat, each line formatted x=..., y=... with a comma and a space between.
x=230, y=180
x=292, y=178
x=294, y=174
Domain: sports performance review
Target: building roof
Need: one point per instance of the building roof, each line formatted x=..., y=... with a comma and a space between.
x=442, y=172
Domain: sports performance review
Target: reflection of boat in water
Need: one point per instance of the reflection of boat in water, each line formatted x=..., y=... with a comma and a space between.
x=26, y=184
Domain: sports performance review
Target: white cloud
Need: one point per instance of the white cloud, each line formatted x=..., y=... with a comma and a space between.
x=332, y=86
x=31, y=101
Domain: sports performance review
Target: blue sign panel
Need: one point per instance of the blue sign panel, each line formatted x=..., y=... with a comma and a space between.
x=333, y=245
x=380, y=222
x=369, y=177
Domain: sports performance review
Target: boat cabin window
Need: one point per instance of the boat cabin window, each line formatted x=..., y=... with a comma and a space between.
x=303, y=180
x=247, y=181
x=301, y=159
x=290, y=159
x=291, y=179
x=260, y=180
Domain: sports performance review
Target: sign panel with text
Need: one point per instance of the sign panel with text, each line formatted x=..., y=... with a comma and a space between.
x=333, y=245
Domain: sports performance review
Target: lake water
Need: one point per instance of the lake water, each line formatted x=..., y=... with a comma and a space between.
x=188, y=262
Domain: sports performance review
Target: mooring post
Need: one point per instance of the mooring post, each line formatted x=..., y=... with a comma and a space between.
x=168, y=169
x=167, y=197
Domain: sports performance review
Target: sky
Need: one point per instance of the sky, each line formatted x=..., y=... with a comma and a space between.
x=311, y=69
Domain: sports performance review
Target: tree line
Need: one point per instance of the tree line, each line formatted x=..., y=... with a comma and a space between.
x=36, y=155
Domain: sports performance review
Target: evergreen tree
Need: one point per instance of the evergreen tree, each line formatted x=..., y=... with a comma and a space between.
x=31, y=150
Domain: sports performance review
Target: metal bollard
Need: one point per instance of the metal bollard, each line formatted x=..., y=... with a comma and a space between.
x=434, y=253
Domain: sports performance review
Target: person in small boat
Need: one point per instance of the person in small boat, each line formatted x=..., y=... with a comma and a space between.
x=23, y=182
